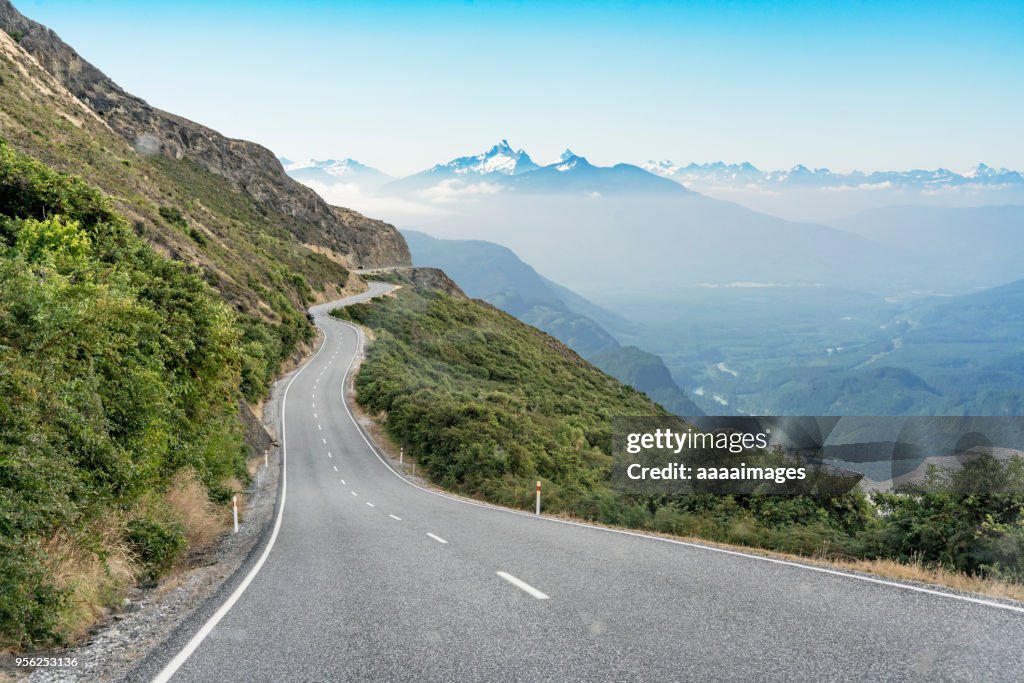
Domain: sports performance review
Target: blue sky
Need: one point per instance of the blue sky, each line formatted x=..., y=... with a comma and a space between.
x=401, y=86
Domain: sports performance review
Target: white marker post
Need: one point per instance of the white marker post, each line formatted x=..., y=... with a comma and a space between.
x=538, y=496
x=401, y=455
x=266, y=462
x=234, y=511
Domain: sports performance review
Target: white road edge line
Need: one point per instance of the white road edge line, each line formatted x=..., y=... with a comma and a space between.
x=172, y=666
x=519, y=583
x=437, y=538
x=397, y=519
x=658, y=539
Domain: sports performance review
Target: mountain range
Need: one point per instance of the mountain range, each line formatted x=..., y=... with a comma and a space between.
x=505, y=168
x=333, y=171
x=508, y=167
x=746, y=174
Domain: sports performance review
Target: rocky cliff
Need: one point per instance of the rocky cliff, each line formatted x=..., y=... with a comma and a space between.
x=246, y=166
x=371, y=243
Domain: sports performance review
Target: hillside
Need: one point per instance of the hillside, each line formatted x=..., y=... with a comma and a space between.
x=648, y=373
x=495, y=274
x=515, y=404
x=239, y=216
x=143, y=313
x=121, y=373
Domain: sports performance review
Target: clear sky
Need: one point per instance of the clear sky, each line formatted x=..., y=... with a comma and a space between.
x=403, y=85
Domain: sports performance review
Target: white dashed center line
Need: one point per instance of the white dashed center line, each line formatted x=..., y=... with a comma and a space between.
x=397, y=519
x=436, y=538
x=342, y=481
x=370, y=504
x=335, y=468
x=354, y=493
x=518, y=583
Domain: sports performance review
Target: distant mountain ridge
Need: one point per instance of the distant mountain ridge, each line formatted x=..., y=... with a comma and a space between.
x=746, y=174
x=331, y=171
x=502, y=167
x=505, y=166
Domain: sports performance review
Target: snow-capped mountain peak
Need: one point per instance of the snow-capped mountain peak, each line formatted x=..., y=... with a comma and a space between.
x=329, y=172
x=334, y=167
x=500, y=158
x=719, y=175
x=569, y=160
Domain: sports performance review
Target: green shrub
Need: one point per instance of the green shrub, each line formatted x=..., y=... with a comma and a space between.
x=173, y=217
x=157, y=545
x=118, y=368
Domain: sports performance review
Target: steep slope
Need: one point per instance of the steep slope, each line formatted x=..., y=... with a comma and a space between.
x=246, y=167
x=172, y=151
x=647, y=372
x=121, y=373
x=127, y=380
x=495, y=274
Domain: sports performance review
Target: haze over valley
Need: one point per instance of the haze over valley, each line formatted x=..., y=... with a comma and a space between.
x=750, y=312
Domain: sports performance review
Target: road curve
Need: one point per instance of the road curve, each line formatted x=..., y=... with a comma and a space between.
x=370, y=578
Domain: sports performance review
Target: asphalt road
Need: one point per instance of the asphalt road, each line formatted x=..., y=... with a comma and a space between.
x=370, y=578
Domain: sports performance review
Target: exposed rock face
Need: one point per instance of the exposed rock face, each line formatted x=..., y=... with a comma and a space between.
x=247, y=166
x=433, y=278
x=372, y=243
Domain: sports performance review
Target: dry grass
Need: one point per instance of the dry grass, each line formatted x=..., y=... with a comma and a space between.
x=888, y=569
x=188, y=503
x=97, y=585
x=99, y=581
x=933, y=575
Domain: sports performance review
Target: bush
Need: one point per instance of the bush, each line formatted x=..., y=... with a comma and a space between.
x=173, y=216
x=157, y=545
x=118, y=368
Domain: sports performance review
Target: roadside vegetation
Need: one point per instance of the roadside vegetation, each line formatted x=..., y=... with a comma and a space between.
x=488, y=405
x=121, y=373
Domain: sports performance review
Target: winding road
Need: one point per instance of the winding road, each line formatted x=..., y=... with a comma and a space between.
x=368, y=577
